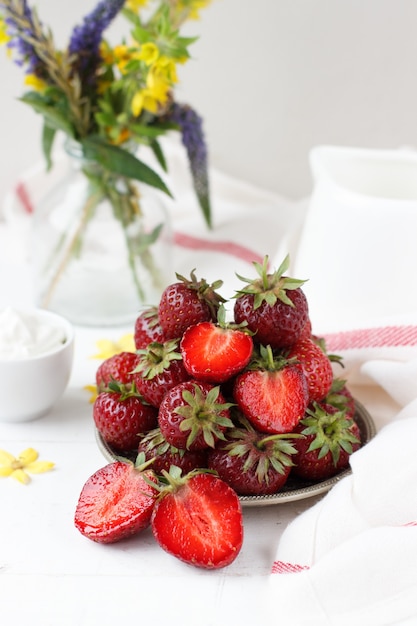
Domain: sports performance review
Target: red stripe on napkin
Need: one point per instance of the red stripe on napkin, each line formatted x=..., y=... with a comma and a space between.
x=281, y=567
x=23, y=196
x=386, y=336
x=226, y=247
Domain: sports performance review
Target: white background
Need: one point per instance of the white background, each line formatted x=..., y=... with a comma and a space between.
x=271, y=78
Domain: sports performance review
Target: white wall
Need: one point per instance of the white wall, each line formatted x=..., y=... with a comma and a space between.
x=271, y=78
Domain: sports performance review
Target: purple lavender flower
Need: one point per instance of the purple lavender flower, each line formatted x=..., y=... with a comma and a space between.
x=20, y=26
x=85, y=39
x=191, y=128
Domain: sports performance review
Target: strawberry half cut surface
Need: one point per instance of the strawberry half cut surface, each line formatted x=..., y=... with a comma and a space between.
x=272, y=393
x=215, y=352
x=116, y=502
x=198, y=519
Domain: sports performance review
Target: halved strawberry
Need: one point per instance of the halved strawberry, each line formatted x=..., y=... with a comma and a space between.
x=272, y=393
x=215, y=352
x=116, y=502
x=198, y=519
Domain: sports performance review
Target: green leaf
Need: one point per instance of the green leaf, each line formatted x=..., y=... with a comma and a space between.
x=157, y=150
x=48, y=136
x=121, y=162
x=54, y=118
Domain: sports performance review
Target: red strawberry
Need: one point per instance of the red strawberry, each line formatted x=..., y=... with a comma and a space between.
x=340, y=397
x=215, y=352
x=147, y=328
x=154, y=446
x=121, y=415
x=187, y=302
x=118, y=367
x=272, y=393
x=115, y=502
x=274, y=306
x=251, y=462
x=194, y=415
x=199, y=520
x=329, y=439
x=159, y=368
x=316, y=366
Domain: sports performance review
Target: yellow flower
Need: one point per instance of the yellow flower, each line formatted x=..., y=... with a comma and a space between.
x=4, y=37
x=108, y=348
x=20, y=467
x=149, y=52
x=144, y=100
x=135, y=5
x=33, y=81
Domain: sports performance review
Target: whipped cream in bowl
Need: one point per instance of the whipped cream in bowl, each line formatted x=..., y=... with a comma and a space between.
x=36, y=356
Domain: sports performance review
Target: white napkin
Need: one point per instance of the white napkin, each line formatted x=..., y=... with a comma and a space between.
x=352, y=557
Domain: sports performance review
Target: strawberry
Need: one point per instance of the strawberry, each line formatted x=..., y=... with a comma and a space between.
x=118, y=367
x=340, y=397
x=251, y=462
x=198, y=519
x=120, y=415
x=147, y=328
x=187, y=302
x=316, y=366
x=194, y=415
x=154, y=446
x=272, y=393
x=329, y=439
x=116, y=502
x=274, y=306
x=214, y=352
x=159, y=368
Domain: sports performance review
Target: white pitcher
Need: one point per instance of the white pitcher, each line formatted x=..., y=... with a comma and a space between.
x=358, y=245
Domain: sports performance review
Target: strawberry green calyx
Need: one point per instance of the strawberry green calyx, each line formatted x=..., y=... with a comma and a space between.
x=265, y=359
x=222, y=322
x=156, y=358
x=125, y=391
x=270, y=287
x=205, y=291
x=204, y=415
x=262, y=453
x=331, y=432
x=172, y=481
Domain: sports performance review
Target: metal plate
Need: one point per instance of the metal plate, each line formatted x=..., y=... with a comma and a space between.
x=295, y=488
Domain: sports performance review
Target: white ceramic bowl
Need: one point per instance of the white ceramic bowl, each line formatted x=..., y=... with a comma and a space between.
x=31, y=385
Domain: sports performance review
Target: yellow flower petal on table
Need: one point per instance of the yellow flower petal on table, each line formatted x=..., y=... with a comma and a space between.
x=27, y=456
x=92, y=389
x=18, y=467
x=39, y=467
x=6, y=458
x=108, y=348
x=21, y=476
x=4, y=37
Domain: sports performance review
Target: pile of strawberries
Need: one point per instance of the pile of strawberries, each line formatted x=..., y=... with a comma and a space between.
x=208, y=409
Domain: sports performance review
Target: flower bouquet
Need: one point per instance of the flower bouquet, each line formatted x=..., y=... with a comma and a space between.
x=109, y=101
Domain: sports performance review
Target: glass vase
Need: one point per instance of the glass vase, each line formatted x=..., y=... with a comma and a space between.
x=102, y=246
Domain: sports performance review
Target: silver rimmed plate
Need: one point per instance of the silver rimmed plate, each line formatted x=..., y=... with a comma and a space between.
x=294, y=489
